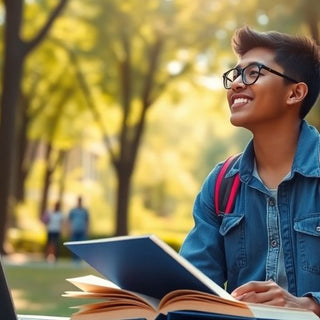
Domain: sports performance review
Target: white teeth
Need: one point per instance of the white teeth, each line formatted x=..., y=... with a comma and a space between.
x=241, y=100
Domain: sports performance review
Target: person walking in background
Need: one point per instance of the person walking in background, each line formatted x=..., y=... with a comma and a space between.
x=54, y=224
x=78, y=222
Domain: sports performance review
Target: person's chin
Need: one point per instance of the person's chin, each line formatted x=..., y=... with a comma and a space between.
x=241, y=122
x=237, y=120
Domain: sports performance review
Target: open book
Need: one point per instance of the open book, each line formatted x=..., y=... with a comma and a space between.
x=145, y=278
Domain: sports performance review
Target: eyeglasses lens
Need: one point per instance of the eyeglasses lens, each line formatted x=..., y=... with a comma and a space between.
x=249, y=75
x=229, y=77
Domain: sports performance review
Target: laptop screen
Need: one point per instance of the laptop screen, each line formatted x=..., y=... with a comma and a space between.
x=6, y=305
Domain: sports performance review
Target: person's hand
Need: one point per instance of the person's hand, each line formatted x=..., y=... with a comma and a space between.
x=268, y=292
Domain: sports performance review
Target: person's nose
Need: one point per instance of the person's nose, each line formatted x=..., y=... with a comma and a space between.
x=238, y=84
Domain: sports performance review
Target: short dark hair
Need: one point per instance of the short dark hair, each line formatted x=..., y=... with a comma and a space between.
x=299, y=57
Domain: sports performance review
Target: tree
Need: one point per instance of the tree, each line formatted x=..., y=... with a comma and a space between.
x=15, y=52
x=137, y=44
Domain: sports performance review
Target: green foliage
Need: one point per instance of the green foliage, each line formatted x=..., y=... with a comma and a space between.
x=25, y=241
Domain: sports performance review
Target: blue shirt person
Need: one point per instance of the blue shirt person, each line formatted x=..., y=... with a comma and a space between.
x=79, y=222
x=268, y=249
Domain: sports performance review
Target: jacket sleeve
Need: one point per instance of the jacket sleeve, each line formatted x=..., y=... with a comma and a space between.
x=204, y=246
x=314, y=295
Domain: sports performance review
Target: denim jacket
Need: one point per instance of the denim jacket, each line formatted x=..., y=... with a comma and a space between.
x=234, y=248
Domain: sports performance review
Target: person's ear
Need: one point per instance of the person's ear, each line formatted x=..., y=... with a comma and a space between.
x=297, y=93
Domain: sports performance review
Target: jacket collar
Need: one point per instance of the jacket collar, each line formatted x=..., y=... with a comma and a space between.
x=306, y=161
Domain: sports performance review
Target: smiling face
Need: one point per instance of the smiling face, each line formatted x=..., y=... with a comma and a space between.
x=265, y=101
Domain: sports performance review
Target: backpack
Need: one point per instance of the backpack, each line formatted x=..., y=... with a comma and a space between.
x=226, y=189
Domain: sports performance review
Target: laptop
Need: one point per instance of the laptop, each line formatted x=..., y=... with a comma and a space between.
x=7, y=309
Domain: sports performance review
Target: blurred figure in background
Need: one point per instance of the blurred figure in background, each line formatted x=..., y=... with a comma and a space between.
x=54, y=224
x=78, y=222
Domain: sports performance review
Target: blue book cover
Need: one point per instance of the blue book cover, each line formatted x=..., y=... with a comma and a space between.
x=143, y=264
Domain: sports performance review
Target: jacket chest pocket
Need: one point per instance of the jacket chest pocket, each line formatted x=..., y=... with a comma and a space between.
x=232, y=229
x=308, y=242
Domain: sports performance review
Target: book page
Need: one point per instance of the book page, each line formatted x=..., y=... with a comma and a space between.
x=114, y=311
x=201, y=301
x=96, y=287
x=193, y=295
x=92, y=283
x=203, y=306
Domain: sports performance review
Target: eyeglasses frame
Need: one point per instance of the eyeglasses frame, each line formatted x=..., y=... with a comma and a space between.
x=260, y=66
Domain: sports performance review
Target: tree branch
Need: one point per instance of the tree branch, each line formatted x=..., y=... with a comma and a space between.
x=125, y=89
x=149, y=79
x=146, y=93
x=30, y=45
x=89, y=99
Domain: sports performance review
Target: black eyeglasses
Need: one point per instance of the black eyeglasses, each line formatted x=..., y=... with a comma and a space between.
x=249, y=74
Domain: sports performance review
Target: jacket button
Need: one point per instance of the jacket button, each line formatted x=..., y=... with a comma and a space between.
x=318, y=228
x=274, y=243
x=272, y=202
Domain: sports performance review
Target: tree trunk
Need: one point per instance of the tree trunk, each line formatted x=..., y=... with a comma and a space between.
x=62, y=180
x=46, y=185
x=123, y=196
x=21, y=168
x=12, y=70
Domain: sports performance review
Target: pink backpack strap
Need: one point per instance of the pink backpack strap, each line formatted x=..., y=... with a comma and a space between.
x=226, y=189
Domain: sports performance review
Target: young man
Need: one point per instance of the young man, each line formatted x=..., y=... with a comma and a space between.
x=268, y=249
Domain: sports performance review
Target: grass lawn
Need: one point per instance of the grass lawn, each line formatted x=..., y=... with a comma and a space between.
x=37, y=286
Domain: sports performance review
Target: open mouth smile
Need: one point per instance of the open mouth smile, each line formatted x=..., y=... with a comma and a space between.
x=240, y=101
